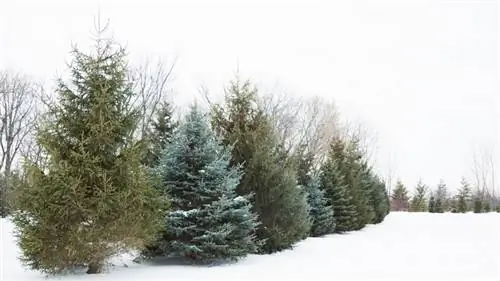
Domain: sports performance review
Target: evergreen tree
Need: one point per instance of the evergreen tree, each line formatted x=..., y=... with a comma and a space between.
x=380, y=200
x=336, y=189
x=160, y=132
x=269, y=174
x=463, y=197
x=418, y=202
x=209, y=221
x=93, y=199
x=304, y=165
x=487, y=207
x=432, y=204
x=497, y=209
x=399, y=197
x=442, y=198
x=321, y=212
x=357, y=173
x=478, y=205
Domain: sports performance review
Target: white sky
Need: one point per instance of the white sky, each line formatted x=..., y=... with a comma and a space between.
x=422, y=74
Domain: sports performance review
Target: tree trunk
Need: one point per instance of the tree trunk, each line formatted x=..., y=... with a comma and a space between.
x=94, y=268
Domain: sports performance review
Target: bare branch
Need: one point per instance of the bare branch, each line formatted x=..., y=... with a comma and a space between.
x=150, y=84
x=18, y=96
x=308, y=122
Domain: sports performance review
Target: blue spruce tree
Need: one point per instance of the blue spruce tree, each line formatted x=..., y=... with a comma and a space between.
x=209, y=222
x=321, y=212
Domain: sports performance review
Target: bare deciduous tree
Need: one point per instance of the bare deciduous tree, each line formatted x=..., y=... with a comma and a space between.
x=17, y=117
x=483, y=171
x=312, y=122
x=367, y=140
x=18, y=96
x=150, y=83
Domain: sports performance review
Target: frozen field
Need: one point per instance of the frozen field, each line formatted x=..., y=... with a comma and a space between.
x=406, y=246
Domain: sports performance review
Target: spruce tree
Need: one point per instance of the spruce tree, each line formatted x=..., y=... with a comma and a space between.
x=356, y=172
x=418, y=202
x=487, y=207
x=321, y=212
x=160, y=131
x=337, y=190
x=209, y=221
x=304, y=165
x=399, y=197
x=432, y=204
x=94, y=198
x=442, y=198
x=379, y=199
x=463, y=197
x=478, y=204
x=269, y=174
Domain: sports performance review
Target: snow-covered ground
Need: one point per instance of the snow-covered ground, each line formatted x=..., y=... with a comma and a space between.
x=405, y=246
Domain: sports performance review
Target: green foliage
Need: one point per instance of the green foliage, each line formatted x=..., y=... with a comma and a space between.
x=418, y=202
x=478, y=205
x=304, y=166
x=209, y=221
x=334, y=182
x=463, y=197
x=269, y=174
x=357, y=173
x=487, y=207
x=442, y=198
x=379, y=199
x=497, y=209
x=432, y=204
x=399, y=197
x=94, y=198
x=159, y=134
x=321, y=212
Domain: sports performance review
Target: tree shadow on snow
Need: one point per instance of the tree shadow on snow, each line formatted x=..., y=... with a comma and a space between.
x=181, y=261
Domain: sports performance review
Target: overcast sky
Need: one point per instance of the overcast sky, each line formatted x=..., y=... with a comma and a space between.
x=421, y=74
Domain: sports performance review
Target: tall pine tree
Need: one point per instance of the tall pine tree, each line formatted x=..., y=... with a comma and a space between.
x=94, y=198
x=355, y=171
x=209, y=221
x=336, y=188
x=269, y=174
x=463, y=197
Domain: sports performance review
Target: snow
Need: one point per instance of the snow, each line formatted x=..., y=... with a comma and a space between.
x=406, y=246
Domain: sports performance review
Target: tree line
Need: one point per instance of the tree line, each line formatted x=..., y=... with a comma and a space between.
x=110, y=169
x=441, y=200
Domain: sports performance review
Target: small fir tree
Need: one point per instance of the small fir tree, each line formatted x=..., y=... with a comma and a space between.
x=418, y=202
x=209, y=221
x=400, y=198
x=463, y=197
x=380, y=199
x=159, y=133
x=432, y=204
x=478, y=205
x=442, y=198
x=487, y=207
x=321, y=212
